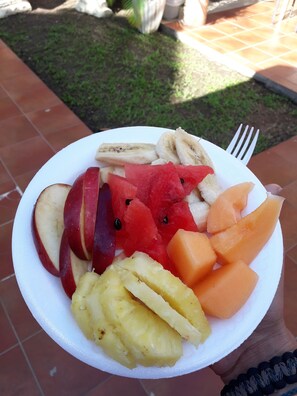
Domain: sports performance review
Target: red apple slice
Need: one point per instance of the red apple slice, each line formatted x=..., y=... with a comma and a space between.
x=74, y=219
x=90, y=197
x=104, y=237
x=48, y=225
x=71, y=267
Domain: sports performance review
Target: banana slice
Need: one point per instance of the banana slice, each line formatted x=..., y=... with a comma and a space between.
x=150, y=340
x=161, y=307
x=180, y=297
x=159, y=161
x=189, y=150
x=194, y=196
x=122, y=153
x=166, y=148
x=106, y=170
x=210, y=189
x=200, y=212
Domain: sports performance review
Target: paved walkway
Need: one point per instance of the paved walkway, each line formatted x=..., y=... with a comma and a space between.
x=244, y=39
x=34, y=124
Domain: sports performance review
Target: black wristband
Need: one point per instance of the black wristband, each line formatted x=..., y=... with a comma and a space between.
x=266, y=378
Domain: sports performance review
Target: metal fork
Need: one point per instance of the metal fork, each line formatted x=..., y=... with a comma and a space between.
x=242, y=147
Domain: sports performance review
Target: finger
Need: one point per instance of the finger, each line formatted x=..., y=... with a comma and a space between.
x=273, y=188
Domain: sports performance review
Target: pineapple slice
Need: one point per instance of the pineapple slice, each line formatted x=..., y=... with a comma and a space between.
x=138, y=312
x=180, y=297
x=78, y=304
x=87, y=311
x=103, y=332
x=158, y=305
x=150, y=340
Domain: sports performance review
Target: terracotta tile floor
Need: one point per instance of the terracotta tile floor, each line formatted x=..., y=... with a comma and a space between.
x=245, y=40
x=34, y=124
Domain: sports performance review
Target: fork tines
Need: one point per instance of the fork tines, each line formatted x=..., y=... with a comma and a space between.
x=243, y=144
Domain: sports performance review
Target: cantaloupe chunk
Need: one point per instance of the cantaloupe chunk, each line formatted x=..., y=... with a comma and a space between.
x=225, y=290
x=227, y=208
x=245, y=239
x=192, y=255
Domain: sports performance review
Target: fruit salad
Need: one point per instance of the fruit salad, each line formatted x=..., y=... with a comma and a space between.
x=148, y=239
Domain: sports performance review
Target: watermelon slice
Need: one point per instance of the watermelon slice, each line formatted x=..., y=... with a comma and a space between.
x=178, y=216
x=122, y=193
x=141, y=177
x=191, y=175
x=140, y=228
x=166, y=189
x=141, y=234
x=149, y=206
x=157, y=251
x=157, y=185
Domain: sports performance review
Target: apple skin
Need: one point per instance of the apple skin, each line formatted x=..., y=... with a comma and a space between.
x=48, y=226
x=74, y=219
x=105, y=234
x=71, y=267
x=90, y=197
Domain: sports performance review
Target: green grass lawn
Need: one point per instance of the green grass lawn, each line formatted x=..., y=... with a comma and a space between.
x=110, y=75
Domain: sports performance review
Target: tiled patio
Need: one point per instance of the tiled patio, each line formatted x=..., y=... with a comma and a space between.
x=34, y=124
x=245, y=40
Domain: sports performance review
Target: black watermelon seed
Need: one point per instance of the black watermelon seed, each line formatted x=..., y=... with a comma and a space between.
x=117, y=224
